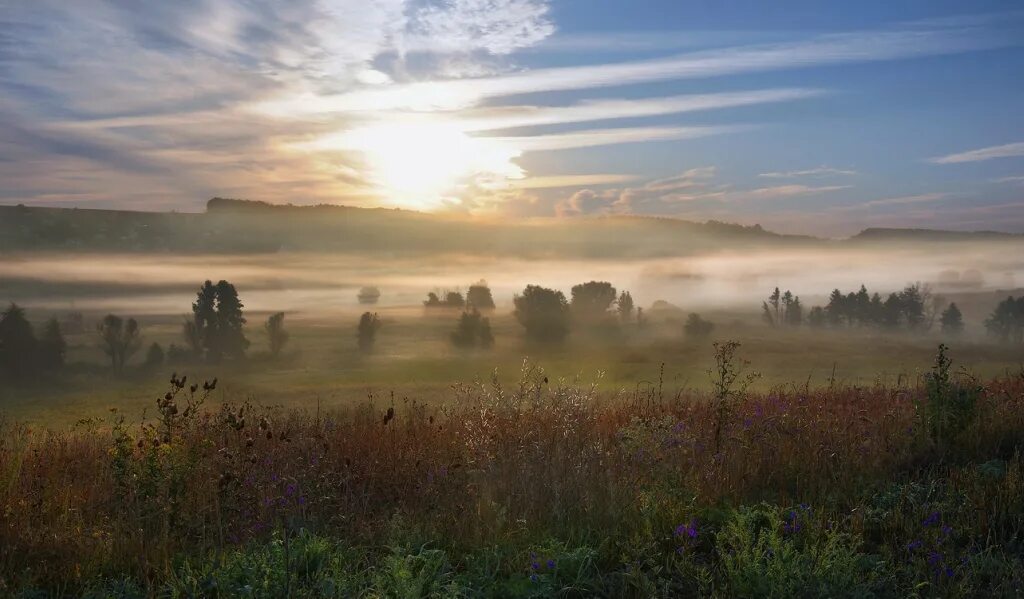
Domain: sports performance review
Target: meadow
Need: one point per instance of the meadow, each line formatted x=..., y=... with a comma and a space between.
x=531, y=489
x=414, y=357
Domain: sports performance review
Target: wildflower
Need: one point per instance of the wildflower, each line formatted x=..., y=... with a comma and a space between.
x=914, y=545
x=534, y=566
x=551, y=564
x=934, y=557
x=947, y=530
x=932, y=519
x=289, y=490
x=534, y=578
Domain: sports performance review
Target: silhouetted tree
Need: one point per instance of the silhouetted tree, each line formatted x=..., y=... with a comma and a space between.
x=782, y=309
x=454, y=299
x=773, y=307
x=18, y=345
x=472, y=330
x=52, y=346
x=624, y=306
x=276, y=335
x=544, y=313
x=366, y=332
x=217, y=321
x=368, y=295
x=816, y=318
x=479, y=296
x=451, y=299
x=835, y=310
x=591, y=301
x=696, y=327
x=1007, y=320
x=119, y=339
x=641, y=320
x=155, y=356
x=952, y=320
x=231, y=339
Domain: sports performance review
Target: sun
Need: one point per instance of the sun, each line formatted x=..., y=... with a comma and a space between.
x=421, y=164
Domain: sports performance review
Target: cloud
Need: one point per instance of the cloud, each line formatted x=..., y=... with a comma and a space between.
x=1016, y=179
x=1003, y=151
x=495, y=26
x=901, y=200
x=694, y=188
x=858, y=47
x=561, y=181
x=606, y=137
x=813, y=172
x=508, y=117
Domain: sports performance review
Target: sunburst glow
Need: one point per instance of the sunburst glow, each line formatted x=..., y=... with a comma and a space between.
x=417, y=165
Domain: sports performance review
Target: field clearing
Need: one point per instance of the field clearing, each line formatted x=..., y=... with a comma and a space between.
x=413, y=358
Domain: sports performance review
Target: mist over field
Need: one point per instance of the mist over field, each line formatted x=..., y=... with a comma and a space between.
x=511, y=299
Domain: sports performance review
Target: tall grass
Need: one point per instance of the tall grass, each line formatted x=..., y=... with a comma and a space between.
x=547, y=487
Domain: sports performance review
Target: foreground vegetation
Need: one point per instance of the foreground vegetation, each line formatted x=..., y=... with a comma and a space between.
x=545, y=488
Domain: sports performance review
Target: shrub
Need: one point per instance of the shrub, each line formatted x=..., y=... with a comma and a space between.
x=696, y=327
x=366, y=331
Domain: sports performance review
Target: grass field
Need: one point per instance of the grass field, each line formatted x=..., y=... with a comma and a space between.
x=414, y=358
x=531, y=489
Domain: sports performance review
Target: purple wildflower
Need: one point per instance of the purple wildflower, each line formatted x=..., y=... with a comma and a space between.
x=932, y=519
x=551, y=564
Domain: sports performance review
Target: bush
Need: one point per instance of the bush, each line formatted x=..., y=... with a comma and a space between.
x=697, y=328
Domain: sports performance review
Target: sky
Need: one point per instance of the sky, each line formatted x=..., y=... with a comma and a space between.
x=803, y=116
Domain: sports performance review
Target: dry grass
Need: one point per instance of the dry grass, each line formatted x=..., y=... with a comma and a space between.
x=496, y=465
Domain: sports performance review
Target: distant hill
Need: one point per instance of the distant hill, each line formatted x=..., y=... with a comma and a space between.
x=917, y=235
x=240, y=226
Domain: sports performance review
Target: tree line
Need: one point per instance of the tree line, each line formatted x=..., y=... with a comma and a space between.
x=914, y=308
x=215, y=330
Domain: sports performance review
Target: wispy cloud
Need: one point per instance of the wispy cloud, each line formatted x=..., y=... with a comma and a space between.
x=820, y=171
x=1016, y=179
x=508, y=117
x=865, y=46
x=989, y=153
x=607, y=137
x=923, y=198
x=694, y=189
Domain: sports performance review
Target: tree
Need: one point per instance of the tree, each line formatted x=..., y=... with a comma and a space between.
x=215, y=330
x=52, y=346
x=544, y=313
x=119, y=339
x=366, y=332
x=836, y=310
x=154, y=356
x=232, y=342
x=794, y=312
x=479, y=296
x=816, y=318
x=454, y=299
x=1007, y=320
x=276, y=335
x=912, y=305
x=625, y=307
x=472, y=330
x=591, y=301
x=18, y=345
x=697, y=327
x=368, y=295
x=952, y=320
x=774, y=311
